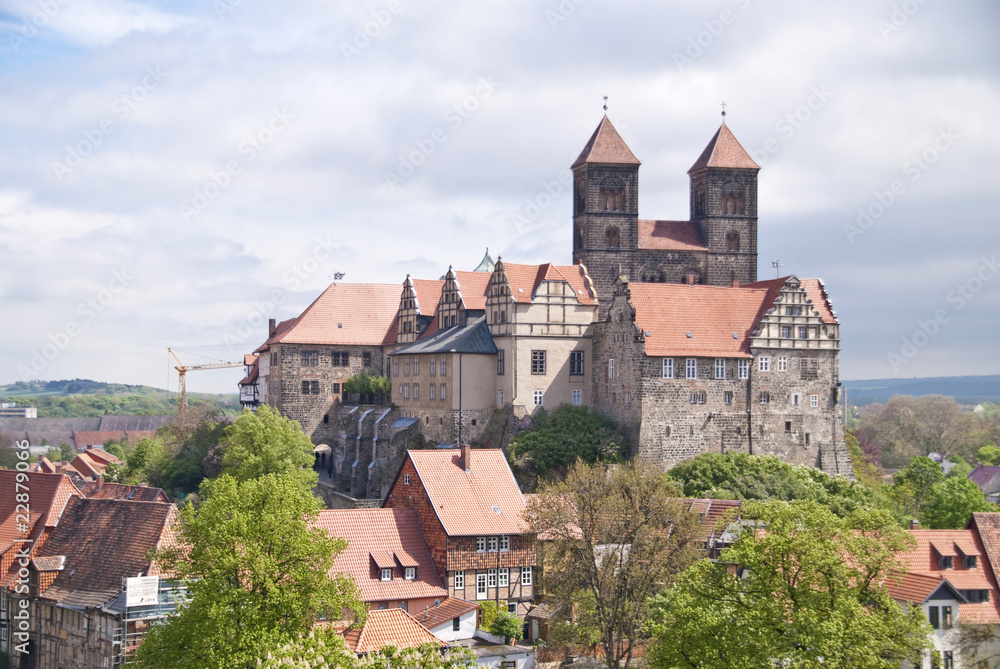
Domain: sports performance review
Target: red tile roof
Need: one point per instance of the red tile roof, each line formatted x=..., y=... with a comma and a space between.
x=448, y=610
x=816, y=292
x=486, y=500
x=48, y=494
x=351, y=314
x=139, y=493
x=427, y=293
x=389, y=627
x=473, y=287
x=606, y=146
x=671, y=236
x=96, y=438
x=525, y=279
x=712, y=314
x=392, y=539
x=724, y=150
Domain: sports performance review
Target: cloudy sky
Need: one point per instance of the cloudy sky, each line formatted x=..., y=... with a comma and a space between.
x=171, y=174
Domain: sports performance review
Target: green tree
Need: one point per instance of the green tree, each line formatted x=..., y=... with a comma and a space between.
x=960, y=469
x=266, y=442
x=185, y=447
x=912, y=484
x=325, y=649
x=559, y=438
x=989, y=455
x=257, y=574
x=618, y=536
x=951, y=502
x=808, y=591
x=507, y=625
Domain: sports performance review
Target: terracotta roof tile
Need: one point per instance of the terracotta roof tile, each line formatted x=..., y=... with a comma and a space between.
x=352, y=314
x=448, y=610
x=49, y=494
x=138, y=493
x=606, y=146
x=467, y=504
x=473, y=287
x=381, y=535
x=816, y=292
x=724, y=150
x=389, y=627
x=671, y=236
x=427, y=292
x=525, y=279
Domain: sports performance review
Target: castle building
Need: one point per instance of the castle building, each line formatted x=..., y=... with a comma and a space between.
x=658, y=324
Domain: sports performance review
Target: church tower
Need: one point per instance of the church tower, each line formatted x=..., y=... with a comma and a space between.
x=724, y=204
x=606, y=209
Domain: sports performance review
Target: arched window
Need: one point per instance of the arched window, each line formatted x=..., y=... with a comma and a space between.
x=732, y=204
x=612, y=237
x=612, y=195
x=733, y=241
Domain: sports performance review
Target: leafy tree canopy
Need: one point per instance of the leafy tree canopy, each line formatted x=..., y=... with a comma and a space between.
x=951, y=502
x=569, y=432
x=507, y=625
x=808, y=591
x=324, y=649
x=266, y=442
x=256, y=572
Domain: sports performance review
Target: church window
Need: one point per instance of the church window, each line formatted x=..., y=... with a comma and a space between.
x=612, y=198
x=732, y=242
x=612, y=237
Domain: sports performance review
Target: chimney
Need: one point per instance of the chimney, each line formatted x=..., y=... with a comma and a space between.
x=467, y=458
x=914, y=524
x=735, y=283
x=271, y=329
x=100, y=482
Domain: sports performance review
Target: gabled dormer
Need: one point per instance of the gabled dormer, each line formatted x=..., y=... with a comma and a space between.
x=451, y=308
x=500, y=312
x=800, y=316
x=409, y=311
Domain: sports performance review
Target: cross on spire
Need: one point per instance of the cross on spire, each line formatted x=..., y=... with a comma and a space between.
x=605, y=103
x=723, y=111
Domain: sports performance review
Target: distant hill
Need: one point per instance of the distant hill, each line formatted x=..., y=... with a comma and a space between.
x=80, y=398
x=963, y=389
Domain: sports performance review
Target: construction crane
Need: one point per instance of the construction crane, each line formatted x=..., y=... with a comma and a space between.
x=183, y=369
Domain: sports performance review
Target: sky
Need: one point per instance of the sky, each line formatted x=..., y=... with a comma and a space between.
x=173, y=174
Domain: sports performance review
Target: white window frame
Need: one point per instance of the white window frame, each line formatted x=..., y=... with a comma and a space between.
x=691, y=368
x=491, y=577
x=503, y=577
x=803, y=333
x=504, y=543
x=668, y=368
x=525, y=575
x=743, y=369
x=500, y=398
x=406, y=391
x=720, y=368
x=764, y=363
x=539, y=398
x=410, y=574
x=786, y=331
x=814, y=401
x=492, y=544
x=611, y=368
x=406, y=479
x=443, y=394
x=765, y=397
x=482, y=592
x=385, y=575
x=480, y=544
x=577, y=397
x=782, y=363
x=459, y=580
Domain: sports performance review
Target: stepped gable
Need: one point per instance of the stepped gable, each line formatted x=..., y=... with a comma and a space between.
x=671, y=236
x=724, y=150
x=606, y=146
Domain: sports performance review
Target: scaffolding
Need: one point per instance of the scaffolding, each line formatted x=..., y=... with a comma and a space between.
x=159, y=600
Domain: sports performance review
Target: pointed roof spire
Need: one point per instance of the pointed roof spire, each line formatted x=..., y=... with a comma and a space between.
x=486, y=264
x=724, y=151
x=606, y=146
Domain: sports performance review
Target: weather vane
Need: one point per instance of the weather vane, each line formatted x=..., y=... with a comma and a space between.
x=723, y=110
x=776, y=264
x=605, y=103
x=337, y=276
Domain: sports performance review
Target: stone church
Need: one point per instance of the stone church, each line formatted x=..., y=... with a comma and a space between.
x=660, y=325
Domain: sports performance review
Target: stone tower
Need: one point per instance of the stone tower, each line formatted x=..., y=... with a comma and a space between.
x=724, y=204
x=605, y=209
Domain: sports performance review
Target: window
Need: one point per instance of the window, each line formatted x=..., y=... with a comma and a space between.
x=433, y=366
x=310, y=387
x=782, y=363
x=395, y=366
x=720, y=368
x=970, y=562
x=386, y=574
x=764, y=363
x=732, y=242
x=336, y=391
x=503, y=577
x=416, y=391
x=538, y=398
x=538, y=362
x=743, y=369
x=491, y=574
x=512, y=607
x=366, y=359
x=727, y=397
x=411, y=573
x=765, y=397
x=577, y=398
x=946, y=617
x=692, y=368
x=383, y=605
x=500, y=398
x=505, y=543
x=481, y=586
x=406, y=479
x=932, y=617
x=668, y=368
x=786, y=332
x=310, y=358
x=611, y=368
x=456, y=624
x=803, y=333
x=814, y=401
x=460, y=580
x=949, y=659
x=576, y=363
x=402, y=605
x=433, y=391
x=444, y=391
x=611, y=238
x=793, y=311
x=525, y=575
x=340, y=359
x=795, y=399
x=443, y=366
x=946, y=562
x=500, y=362
x=274, y=360
x=493, y=544
x=694, y=398
x=406, y=391
x=406, y=366
x=788, y=427
x=480, y=544
x=627, y=398
x=305, y=387
x=701, y=397
x=416, y=366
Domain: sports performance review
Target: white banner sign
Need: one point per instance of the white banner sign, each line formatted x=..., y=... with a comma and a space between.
x=142, y=590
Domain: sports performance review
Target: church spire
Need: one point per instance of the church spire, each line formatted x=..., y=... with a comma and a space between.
x=724, y=150
x=606, y=146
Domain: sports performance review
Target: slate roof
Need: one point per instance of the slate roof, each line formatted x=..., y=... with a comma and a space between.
x=449, y=609
x=525, y=279
x=472, y=338
x=388, y=627
x=671, y=236
x=354, y=314
x=606, y=146
x=982, y=474
x=390, y=538
x=103, y=541
x=724, y=150
x=467, y=503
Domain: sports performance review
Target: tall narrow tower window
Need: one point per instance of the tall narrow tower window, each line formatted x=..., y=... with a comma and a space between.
x=733, y=241
x=612, y=238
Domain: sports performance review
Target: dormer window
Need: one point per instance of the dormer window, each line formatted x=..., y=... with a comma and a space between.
x=971, y=562
x=386, y=575
x=411, y=573
x=946, y=562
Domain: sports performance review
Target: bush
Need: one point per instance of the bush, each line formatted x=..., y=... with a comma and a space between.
x=570, y=432
x=507, y=625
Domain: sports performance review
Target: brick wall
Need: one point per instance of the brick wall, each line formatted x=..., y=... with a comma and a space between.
x=414, y=496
